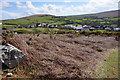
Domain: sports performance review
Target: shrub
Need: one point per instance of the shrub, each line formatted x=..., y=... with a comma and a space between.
x=70, y=32
x=4, y=28
x=6, y=70
x=117, y=38
x=98, y=32
x=21, y=31
x=83, y=32
x=61, y=32
x=100, y=50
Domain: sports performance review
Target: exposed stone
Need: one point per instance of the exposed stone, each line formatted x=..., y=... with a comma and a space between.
x=10, y=55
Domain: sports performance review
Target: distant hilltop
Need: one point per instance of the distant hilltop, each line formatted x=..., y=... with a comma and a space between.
x=106, y=14
x=38, y=15
x=108, y=18
x=109, y=14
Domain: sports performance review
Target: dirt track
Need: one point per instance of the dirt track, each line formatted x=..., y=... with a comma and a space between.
x=61, y=55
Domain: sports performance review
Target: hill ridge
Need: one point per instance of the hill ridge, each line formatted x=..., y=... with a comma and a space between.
x=109, y=14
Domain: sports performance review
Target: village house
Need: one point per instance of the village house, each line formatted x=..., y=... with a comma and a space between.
x=30, y=26
x=43, y=25
x=55, y=26
x=117, y=29
x=91, y=28
x=102, y=27
x=38, y=24
x=108, y=28
x=86, y=28
x=51, y=26
x=15, y=32
x=78, y=27
x=0, y=23
x=68, y=26
x=97, y=27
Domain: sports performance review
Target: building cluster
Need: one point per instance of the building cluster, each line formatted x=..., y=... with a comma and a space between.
x=77, y=27
x=91, y=28
x=37, y=25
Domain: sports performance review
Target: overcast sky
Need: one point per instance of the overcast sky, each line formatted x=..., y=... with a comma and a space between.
x=11, y=9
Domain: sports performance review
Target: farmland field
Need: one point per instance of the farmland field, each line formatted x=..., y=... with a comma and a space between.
x=105, y=18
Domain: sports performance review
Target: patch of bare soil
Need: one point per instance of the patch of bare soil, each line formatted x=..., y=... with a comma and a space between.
x=61, y=55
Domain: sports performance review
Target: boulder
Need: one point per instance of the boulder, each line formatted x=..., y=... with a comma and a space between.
x=10, y=55
x=9, y=75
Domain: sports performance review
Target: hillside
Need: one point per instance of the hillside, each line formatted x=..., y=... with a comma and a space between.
x=39, y=15
x=62, y=55
x=107, y=18
x=107, y=14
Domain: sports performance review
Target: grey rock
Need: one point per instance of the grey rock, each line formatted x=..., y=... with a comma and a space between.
x=10, y=55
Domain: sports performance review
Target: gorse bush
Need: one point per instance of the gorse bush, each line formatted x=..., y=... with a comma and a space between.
x=117, y=38
x=22, y=31
x=6, y=70
x=61, y=32
x=100, y=49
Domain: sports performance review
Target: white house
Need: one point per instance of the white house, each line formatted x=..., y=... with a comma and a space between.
x=30, y=26
x=91, y=28
x=55, y=26
x=39, y=25
x=43, y=25
x=108, y=29
x=116, y=29
x=68, y=25
x=78, y=27
x=0, y=23
x=86, y=28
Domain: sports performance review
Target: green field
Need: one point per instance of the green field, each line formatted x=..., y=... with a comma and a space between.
x=108, y=68
x=42, y=30
x=62, y=20
x=91, y=20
